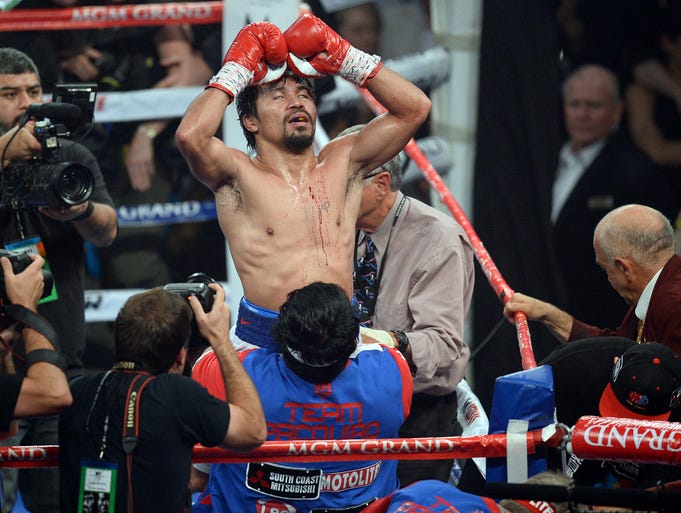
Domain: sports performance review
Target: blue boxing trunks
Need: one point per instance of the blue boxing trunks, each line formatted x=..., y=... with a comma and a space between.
x=254, y=326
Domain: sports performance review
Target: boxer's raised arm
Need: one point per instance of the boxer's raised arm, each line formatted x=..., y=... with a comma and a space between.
x=317, y=50
x=246, y=63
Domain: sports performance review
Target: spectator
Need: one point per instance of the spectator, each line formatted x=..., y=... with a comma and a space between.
x=44, y=388
x=364, y=26
x=634, y=245
x=624, y=379
x=144, y=164
x=419, y=298
x=653, y=103
x=599, y=169
x=320, y=385
x=173, y=412
x=140, y=160
x=361, y=26
x=288, y=214
x=58, y=234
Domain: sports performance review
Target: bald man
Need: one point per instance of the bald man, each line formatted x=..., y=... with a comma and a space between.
x=599, y=169
x=634, y=245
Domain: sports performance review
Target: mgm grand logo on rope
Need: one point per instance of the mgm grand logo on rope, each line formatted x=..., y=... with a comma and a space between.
x=142, y=12
x=24, y=453
x=328, y=447
x=633, y=437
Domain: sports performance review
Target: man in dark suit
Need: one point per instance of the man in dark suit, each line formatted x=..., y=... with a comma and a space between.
x=599, y=169
x=634, y=245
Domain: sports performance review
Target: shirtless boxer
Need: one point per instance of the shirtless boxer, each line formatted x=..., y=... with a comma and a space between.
x=289, y=214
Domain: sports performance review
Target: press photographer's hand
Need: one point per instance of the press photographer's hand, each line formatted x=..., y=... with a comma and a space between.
x=213, y=325
x=25, y=288
x=64, y=213
x=21, y=146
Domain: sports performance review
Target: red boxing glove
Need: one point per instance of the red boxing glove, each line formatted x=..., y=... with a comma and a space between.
x=315, y=50
x=256, y=56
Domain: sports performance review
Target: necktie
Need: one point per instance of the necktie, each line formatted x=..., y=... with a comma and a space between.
x=364, y=283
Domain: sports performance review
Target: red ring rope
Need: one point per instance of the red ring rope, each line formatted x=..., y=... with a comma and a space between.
x=109, y=16
x=620, y=439
x=496, y=280
x=430, y=448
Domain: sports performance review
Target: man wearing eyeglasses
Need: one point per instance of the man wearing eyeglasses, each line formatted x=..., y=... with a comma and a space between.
x=417, y=292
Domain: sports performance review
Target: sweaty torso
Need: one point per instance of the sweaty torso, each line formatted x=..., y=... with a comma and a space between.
x=287, y=231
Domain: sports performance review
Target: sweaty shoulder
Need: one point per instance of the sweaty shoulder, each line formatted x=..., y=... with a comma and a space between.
x=224, y=170
x=337, y=150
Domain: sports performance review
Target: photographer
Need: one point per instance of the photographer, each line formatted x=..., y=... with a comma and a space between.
x=44, y=388
x=58, y=235
x=173, y=412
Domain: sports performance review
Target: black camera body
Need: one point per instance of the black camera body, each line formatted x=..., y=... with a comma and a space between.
x=20, y=261
x=48, y=180
x=196, y=285
x=200, y=290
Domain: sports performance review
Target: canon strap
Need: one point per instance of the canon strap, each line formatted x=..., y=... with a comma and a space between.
x=131, y=418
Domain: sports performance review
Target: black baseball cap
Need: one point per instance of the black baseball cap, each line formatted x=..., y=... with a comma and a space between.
x=645, y=384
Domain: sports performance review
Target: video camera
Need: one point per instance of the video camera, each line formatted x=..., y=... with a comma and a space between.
x=195, y=285
x=20, y=261
x=48, y=180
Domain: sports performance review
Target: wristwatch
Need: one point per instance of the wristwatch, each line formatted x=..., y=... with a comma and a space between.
x=404, y=348
x=402, y=341
x=86, y=213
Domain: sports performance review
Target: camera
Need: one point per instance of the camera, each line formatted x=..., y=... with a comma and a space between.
x=195, y=285
x=20, y=261
x=200, y=290
x=48, y=180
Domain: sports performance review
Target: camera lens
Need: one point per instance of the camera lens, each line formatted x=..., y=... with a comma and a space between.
x=73, y=183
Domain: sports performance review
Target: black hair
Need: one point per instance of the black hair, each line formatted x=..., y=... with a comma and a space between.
x=317, y=330
x=14, y=62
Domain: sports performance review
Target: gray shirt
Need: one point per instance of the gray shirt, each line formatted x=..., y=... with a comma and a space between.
x=425, y=290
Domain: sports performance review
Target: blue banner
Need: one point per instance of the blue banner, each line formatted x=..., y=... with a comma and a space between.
x=155, y=214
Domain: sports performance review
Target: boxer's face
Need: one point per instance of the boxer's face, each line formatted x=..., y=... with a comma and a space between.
x=287, y=112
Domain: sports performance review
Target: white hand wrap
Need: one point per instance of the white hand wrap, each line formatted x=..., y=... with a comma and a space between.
x=232, y=78
x=380, y=336
x=358, y=66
